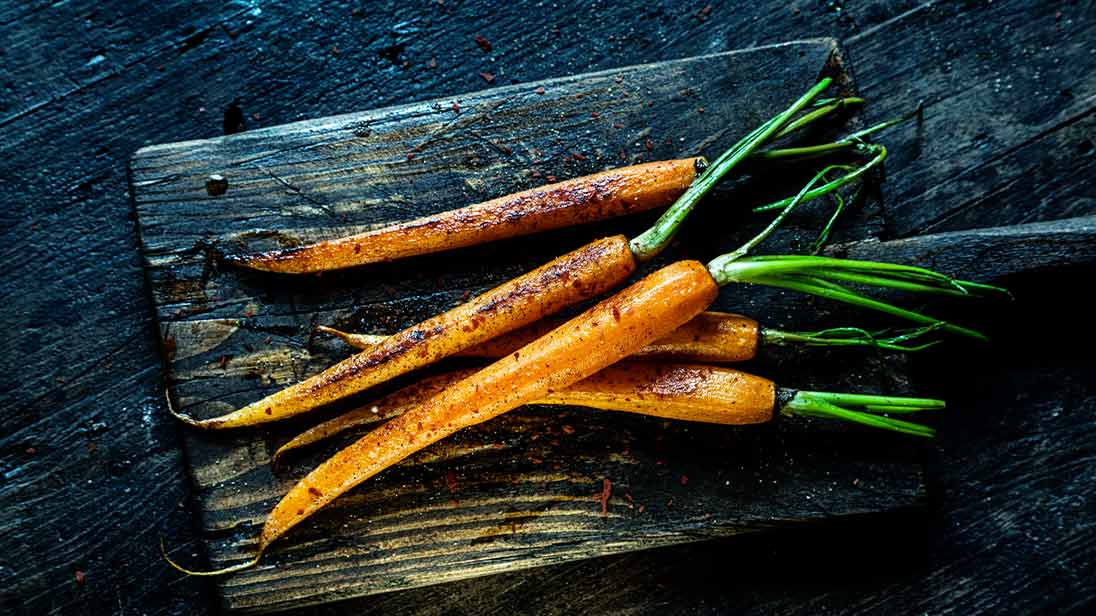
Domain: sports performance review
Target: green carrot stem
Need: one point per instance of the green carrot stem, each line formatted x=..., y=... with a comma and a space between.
x=863, y=400
x=824, y=234
x=853, y=408
x=880, y=153
x=850, y=141
x=805, y=194
x=851, y=336
x=776, y=222
x=822, y=267
x=850, y=297
x=902, y=285
x=918, y=113
x=652, y=241
x=806, y=151
x=821, y=109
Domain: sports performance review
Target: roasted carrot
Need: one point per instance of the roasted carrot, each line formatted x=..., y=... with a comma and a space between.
x=611, y=193
x=567, y=280
x=719, y=337
x=689, y=392
x=711, y=336
x=581, y=200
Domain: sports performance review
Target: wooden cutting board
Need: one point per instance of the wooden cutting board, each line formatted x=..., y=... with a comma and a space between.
x=526, y=489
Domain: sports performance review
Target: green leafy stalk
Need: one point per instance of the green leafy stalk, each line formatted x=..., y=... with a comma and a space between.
x=651, y=242
x=822, y=108
x=854, y=336
x=824, y=234
x=821, y=276
x=807, y=193
x=863, y=409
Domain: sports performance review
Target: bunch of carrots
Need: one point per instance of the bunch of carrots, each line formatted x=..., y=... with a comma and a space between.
x=649, y=348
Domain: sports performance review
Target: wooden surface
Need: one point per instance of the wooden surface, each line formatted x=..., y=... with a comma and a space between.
x=525, y=489
x=91, y=468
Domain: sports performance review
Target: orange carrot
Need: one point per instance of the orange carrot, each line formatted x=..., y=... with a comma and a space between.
x=581, y=200
x=582, y=274
x=689, y=392
x=710, y=336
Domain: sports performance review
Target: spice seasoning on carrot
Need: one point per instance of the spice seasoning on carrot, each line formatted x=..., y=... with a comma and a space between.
x=567, y=280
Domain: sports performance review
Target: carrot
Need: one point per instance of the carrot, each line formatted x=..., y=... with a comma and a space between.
x=564, y=281
x=591, y=198
x=577, y=201
x=687, y=392
x=719, y=337
x=711, y=336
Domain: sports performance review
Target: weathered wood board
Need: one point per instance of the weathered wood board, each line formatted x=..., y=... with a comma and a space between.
x=523, y=490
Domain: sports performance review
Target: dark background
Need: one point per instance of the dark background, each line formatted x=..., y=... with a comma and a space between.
x=91, y=471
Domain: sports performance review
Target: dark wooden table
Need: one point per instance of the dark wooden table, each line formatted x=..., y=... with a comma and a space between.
x=91, y=470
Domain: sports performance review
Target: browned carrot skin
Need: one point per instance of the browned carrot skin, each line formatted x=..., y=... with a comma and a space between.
x=581, y=200
x=709, y=337
x=581, y=274
x=581, y=347
x=688, y=392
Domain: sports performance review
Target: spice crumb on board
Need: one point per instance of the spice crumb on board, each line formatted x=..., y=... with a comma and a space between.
x=79, y=576
x=483, y=43
x=606, y=492
x=539, y=90
x=488, y=77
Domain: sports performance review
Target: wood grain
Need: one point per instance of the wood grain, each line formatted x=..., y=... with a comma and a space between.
x=520, y=491
x=87, y=82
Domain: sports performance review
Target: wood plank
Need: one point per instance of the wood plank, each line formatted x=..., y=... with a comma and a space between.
x=521, y=491
x=1008, y=117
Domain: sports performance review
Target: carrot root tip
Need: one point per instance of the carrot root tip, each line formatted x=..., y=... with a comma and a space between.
x=214, y=572
x=187, y=419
